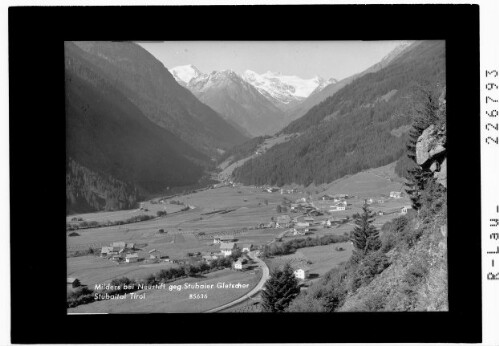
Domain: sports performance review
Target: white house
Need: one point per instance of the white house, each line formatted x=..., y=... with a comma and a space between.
x=238, y=265
x=301, y=273
x=247, y=247
x=302, y=224
x=369, y=201
x=300, y=231
x=338, y=207
x=395, y=194
x=227, y=248
x=133, y=257
x=404, y=210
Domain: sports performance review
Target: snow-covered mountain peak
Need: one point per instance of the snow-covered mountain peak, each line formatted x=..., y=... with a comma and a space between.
x=185, y=73
x=285, y=89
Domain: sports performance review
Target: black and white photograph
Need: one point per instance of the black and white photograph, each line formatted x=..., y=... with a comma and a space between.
x=256, y=176
x=309, y=173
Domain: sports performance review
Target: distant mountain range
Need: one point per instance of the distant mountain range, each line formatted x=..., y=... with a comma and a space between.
x=255, y=102
x=285, y=92
x=234, y=98
x=293, y=96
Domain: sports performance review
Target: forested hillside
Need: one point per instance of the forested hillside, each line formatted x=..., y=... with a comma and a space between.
x=113, y=149
x=88, y=191
x=403, y=265
x=364, y=125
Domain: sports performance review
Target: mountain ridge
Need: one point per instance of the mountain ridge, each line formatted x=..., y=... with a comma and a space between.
x=236, y=100
x=150, y=86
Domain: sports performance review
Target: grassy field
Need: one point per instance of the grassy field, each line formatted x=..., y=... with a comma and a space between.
x=91, y=270
x=121, y=215
x=166, y=301
x=319, y=259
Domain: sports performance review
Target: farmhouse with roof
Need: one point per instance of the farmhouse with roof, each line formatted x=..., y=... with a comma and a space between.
x=300, y=271
x=238, y=264
x=133, y=257
x=227, y=248
x=405, y=209
x=106, y=250
x=246, y=247
x=300, y=231
x=395, y=194
x=338, y=207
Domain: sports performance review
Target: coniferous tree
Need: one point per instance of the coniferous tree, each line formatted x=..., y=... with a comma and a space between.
x=280, y=290
x=365, y=236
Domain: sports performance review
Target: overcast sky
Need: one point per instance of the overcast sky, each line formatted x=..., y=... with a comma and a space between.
x=306, y=59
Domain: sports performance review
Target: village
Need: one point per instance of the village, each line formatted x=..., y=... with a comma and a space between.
x=230, y=221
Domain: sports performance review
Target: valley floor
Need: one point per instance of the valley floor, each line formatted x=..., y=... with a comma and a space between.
x=228, y=210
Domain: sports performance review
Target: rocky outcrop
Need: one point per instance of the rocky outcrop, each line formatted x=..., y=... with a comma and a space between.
x=431, y=151
x=431, y=146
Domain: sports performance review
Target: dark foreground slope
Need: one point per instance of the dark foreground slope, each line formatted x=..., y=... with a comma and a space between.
x=362, y=126
x=153, y=90
x=113, y=150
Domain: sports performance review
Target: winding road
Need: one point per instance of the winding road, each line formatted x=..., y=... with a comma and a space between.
x=255, y=290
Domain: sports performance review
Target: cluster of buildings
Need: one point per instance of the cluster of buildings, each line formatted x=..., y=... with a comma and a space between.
x=227, y=247
x=120, y=250
x=331, y=205
x=302, y=205
x=282, y=191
